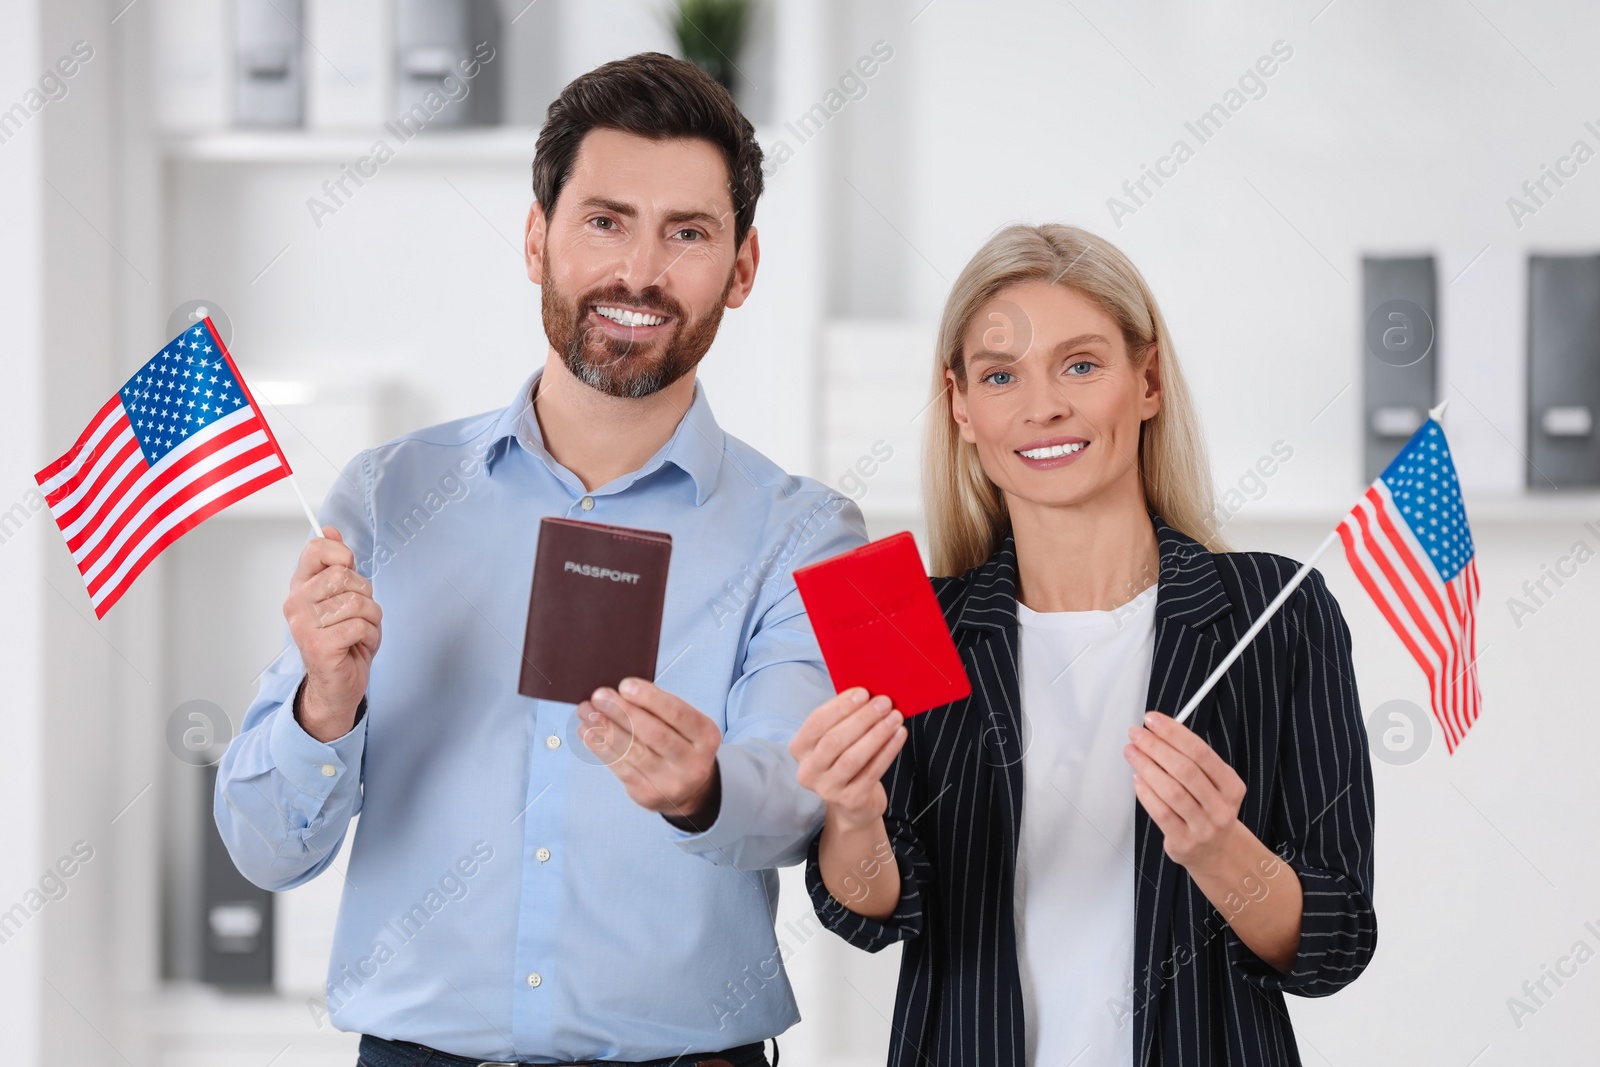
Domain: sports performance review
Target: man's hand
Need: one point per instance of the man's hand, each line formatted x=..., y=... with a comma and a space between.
x=337, y=627
x=662, y=750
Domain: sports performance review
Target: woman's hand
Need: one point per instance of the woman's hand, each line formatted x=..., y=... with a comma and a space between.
x=1193, y=796
x=843, y=749
x=1189, y=790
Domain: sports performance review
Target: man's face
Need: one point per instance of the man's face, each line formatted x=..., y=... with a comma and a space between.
x=638, y=261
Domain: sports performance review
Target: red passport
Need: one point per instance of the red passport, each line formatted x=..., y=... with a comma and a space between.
x=594, y=615
x=880, y=627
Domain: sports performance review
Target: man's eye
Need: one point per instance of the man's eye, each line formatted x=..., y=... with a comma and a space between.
x=604, y=223
x=691, y=235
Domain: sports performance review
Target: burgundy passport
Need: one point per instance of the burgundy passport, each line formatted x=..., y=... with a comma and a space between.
x=879, y=625
x=594, y=615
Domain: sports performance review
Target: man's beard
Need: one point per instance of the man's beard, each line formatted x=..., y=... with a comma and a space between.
x=617, y=367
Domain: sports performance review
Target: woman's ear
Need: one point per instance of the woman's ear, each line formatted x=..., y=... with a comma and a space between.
x=958, y=407
x=1150, y=402
x=533, y=239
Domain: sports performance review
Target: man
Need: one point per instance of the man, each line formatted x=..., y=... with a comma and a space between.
x=531, y=881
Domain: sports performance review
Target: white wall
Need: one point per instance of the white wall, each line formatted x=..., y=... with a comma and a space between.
x=20, y=644
x=96, y=788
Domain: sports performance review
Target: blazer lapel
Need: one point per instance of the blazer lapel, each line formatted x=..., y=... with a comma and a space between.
x=983, y=621
x=1189, y=598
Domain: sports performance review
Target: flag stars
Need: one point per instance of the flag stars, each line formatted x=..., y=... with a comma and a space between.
x=177, y=393
x=1427, y=494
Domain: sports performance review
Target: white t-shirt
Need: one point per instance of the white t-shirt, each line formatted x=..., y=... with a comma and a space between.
x=1085, y=676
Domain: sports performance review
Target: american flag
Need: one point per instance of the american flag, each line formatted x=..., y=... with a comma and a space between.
x=181, y=440
x=1408, y=542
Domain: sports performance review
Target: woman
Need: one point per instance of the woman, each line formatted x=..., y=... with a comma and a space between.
x=1078, y=878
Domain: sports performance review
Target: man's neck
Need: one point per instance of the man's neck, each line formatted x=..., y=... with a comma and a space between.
x=598, y=437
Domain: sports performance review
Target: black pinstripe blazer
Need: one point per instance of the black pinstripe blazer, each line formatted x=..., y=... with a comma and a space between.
x=1285, y=716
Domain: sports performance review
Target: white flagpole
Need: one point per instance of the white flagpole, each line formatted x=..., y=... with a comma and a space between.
x=316, y=530
x=1272, y=608
x=1255, y=627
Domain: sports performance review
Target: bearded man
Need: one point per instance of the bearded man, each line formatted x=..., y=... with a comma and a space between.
x=530, y=881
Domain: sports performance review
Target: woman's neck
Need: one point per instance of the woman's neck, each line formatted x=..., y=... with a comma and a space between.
x=1091, y=557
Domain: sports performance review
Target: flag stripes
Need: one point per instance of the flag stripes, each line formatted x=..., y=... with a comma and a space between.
x=1395, y=570
x=159, y=458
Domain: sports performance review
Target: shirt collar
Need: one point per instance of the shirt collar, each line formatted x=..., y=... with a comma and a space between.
x=695, y=447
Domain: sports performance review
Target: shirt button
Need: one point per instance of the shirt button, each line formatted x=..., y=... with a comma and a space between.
x=329, y=770
x=552, y=741
x=534, y=980
x=543, y=854
x=587, y=503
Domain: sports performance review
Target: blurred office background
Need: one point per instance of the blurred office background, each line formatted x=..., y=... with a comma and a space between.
x=1346, y=161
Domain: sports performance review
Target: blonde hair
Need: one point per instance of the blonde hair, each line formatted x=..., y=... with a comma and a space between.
x=967, y=518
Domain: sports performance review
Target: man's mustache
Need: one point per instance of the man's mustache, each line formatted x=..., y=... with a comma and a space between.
x=658, y=302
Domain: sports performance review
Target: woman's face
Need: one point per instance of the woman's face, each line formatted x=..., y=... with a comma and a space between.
x=1052, y=401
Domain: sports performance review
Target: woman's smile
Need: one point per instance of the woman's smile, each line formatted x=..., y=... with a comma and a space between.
x=1051, y=452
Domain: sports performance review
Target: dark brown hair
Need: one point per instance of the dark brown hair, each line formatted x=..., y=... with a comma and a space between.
x=651, y=95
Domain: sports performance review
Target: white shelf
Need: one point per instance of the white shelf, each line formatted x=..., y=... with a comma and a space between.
x=1530, y=509
x=1502, y=511
x=498, y=144
x=480, y=144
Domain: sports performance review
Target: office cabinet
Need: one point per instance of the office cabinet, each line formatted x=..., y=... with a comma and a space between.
x=1563, y=371
x=269, y=62
x=446, y=51
x=236, y=916
x=1399, y=365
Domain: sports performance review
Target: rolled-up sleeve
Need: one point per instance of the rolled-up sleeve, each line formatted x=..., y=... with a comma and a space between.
x=284, y=800
x=1324, y=811
x=766, y=817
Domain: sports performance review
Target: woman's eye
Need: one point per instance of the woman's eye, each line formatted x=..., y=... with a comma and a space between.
x=1080, y=368
x=994, y=376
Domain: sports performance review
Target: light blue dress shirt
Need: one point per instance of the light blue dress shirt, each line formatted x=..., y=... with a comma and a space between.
x=505, y=899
